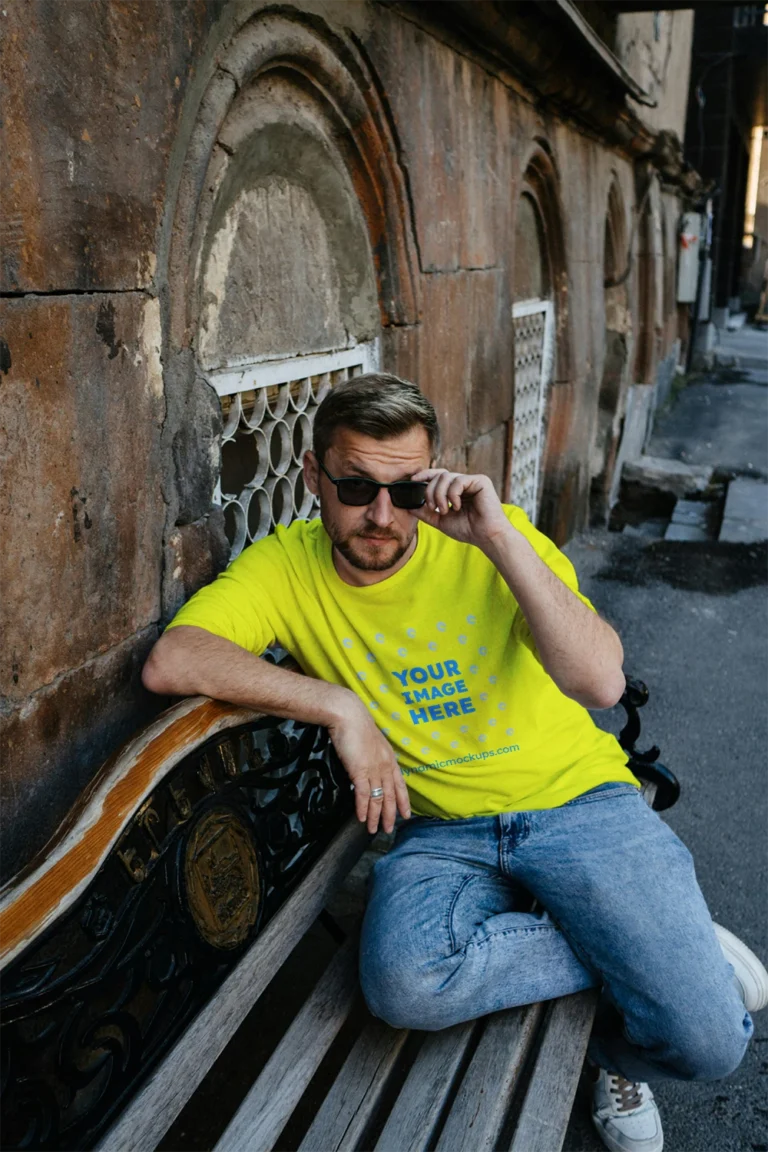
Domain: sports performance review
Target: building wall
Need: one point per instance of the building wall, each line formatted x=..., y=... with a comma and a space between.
x=115, y=149
x=655, y=48
x=755, y=257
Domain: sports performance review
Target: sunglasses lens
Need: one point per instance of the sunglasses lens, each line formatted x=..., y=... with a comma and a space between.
x=408, y=495
x=357, y=492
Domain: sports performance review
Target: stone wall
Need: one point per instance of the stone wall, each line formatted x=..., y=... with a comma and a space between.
x=159, y=160
x=655, y=48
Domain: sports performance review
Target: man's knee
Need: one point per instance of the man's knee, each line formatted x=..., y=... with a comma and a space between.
x=403, y=996
x=713, y=1053
x=398, y=1004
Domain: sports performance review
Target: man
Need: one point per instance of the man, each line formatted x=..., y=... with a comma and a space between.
x=446, y=644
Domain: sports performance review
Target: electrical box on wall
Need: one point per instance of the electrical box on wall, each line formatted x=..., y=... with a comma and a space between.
x=689, y=248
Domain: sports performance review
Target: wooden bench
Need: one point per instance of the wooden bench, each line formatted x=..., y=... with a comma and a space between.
x=134, y=947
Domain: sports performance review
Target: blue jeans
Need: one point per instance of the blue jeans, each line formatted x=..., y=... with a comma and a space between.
x=449, y=935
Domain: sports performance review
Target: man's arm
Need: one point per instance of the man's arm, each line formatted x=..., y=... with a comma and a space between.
x=187, y=661
x=581, y=652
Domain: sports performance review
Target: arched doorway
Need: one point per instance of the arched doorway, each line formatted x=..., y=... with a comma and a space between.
x=617, y=341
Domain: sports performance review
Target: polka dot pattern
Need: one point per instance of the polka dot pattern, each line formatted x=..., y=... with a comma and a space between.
x=474, y=733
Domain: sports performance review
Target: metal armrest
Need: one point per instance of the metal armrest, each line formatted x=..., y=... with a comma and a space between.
x=645, y=765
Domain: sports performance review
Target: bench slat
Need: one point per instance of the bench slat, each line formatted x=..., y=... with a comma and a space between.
x=412, y=1121
x=278, y=1089
x=159, y=1101
x=349, y=1106
x=543, y=1119
x=482, y=1102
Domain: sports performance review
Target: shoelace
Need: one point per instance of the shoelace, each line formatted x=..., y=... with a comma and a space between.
x=627, y=1093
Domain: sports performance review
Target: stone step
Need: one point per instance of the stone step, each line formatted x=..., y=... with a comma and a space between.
x=690, y=521
x=745, y=519
x=692, y=512
x=673, y=476
x=685, y=532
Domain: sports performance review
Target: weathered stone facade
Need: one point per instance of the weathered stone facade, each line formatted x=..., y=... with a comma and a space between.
x=187, y=187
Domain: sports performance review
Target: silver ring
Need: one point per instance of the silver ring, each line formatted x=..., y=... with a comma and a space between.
x=376, y=793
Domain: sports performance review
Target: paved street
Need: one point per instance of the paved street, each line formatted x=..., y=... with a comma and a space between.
x=694, y=620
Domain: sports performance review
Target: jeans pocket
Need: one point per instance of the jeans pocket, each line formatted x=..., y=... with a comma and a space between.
x=604, y=792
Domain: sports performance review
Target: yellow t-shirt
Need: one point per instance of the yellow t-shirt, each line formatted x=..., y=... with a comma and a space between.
x=441, y=654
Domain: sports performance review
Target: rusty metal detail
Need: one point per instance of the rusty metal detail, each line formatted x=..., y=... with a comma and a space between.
x=221, y=876
x=91, y=1006
x=133, y=866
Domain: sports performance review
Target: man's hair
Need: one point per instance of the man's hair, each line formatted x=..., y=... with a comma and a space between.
x=377, y=405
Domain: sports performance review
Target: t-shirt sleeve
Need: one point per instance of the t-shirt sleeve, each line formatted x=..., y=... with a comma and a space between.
x=554, y=559
x=238, y=605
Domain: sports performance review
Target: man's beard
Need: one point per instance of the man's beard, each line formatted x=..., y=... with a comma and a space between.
x=370, y=561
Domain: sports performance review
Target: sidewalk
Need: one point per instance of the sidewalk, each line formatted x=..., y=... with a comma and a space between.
x=693, y=616
x=746, y=348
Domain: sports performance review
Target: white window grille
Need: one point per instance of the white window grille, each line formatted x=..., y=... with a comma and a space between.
x=533, y=322
x=268, y=410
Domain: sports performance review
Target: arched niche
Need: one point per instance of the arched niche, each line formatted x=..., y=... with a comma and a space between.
x=542, y=345
x=283, y=76
x=533, y=275
x=284, y=262
x=290, y=248
x=617, y=346
x=649, y=278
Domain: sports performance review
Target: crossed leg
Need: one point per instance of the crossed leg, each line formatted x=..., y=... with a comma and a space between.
x=448, y=935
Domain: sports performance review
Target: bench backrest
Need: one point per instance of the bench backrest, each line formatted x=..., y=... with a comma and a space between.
x=136, y=925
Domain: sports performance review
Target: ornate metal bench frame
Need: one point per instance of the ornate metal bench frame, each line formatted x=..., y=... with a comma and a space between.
x=134, y=946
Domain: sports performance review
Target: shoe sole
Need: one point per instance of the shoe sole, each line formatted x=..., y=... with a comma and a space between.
x=756, y=996
x=615, y=1146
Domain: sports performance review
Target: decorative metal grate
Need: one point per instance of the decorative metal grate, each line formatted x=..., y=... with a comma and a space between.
x=533, y=325
x=268, y=411
x=91, y=1006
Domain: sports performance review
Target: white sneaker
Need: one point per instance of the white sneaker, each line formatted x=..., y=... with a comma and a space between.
x=625, y=1114
x=750, y=975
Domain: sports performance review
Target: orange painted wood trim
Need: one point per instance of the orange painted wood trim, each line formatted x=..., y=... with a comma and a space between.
x=56, y=879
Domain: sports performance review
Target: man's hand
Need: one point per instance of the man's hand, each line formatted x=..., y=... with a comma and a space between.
x=581, y=653
x=370, y=764
x=466, y=508
x=188, y=660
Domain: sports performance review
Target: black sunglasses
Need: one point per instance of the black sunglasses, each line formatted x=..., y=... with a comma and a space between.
x=357, y=491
